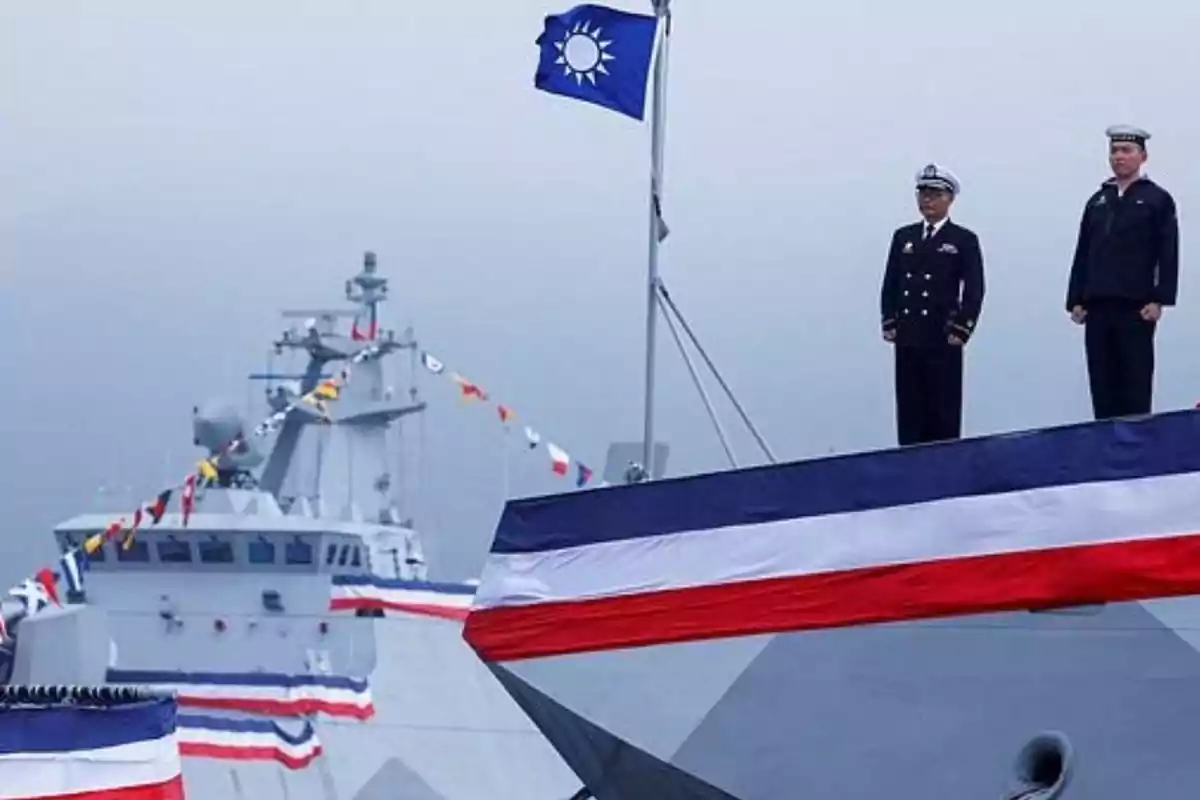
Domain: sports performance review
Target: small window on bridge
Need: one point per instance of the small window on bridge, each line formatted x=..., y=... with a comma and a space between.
x=355, y=558
x=298, y=552
x=345, y=556
x=173, y=551
x=330, y=554
x=262, y=552
x=216, y=552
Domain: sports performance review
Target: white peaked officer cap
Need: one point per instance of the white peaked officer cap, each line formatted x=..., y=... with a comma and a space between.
x=931, y=176
x=1127, y=133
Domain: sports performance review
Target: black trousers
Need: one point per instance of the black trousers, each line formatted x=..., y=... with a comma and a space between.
x=1120, y=361
x=929, y=390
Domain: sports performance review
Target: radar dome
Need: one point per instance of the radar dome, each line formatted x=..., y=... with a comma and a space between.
x=214, y=426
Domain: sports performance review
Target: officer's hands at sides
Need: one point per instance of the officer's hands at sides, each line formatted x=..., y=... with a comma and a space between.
x=889, y=329
x=889, y=335
x=1151, y=312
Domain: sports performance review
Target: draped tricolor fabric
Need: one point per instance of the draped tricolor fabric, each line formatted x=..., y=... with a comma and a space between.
x=275, y=694
x=125, y=752
x=247, y=739
x=424, y=598
x=1099, y=512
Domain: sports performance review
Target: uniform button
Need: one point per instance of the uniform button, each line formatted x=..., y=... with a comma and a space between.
x=908, y=275
x=906, y=312
x=924, y=294
x=927, y=276
x=906, y=292
x=924, y=311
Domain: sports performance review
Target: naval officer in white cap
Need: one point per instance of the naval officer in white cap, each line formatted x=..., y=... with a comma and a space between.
x=930, y=301
x=1126, y=269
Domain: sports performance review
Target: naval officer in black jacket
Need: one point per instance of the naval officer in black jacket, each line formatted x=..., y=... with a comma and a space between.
x=1126, y=269
x=930, y=303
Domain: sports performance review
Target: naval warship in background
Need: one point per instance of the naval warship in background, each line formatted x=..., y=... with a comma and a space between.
x=292, y=612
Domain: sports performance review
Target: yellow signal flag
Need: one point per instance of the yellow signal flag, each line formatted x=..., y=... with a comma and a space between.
x=207, y=470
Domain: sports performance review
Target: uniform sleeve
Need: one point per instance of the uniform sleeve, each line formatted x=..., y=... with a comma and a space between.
x=1078, y=277
x=971, y=304
x=1168, y=254
x=887, y=292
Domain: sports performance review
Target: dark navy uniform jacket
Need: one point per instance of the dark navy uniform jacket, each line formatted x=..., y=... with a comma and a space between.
x=1128, y=248
x=932, y=289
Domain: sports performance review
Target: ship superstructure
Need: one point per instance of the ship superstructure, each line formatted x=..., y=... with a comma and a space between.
x=292, y=605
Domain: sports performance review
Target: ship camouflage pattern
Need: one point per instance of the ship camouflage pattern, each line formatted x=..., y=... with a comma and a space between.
x=237, y=606
x=1000, y=617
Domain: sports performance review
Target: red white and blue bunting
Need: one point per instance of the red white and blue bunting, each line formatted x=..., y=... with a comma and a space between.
x=449, y=601
x=229, y=739
x=272, y=694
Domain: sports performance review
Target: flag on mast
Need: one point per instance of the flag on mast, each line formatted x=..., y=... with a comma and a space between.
x=605, y=56
x=599, y=55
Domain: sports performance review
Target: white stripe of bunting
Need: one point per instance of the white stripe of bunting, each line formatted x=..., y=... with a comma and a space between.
x=1063, y=516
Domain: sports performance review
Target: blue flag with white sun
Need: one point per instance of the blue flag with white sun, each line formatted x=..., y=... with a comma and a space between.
x=599, y=55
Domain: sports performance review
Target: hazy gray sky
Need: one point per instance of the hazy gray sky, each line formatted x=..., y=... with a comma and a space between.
x=172, y=174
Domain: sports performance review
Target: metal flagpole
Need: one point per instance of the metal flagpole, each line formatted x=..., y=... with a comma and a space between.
x=657, y=124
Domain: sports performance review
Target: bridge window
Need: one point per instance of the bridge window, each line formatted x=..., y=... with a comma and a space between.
x=330, y=554
x=355, y=559
x=216, y=552
x=173, y=551
x=138, y=552
x=262, y=552
x=345, y=556
x=298, y=552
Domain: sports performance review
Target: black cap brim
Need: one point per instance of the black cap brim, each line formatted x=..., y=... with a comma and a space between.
x=1140, y=141
x=936, y=185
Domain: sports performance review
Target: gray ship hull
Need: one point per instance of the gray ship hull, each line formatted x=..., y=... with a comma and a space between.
x=906, y=711
x=976, y=619
x=444, y=727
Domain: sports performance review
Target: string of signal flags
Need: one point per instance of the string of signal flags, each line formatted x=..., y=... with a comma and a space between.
x=560, y=460
x=42, y=589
